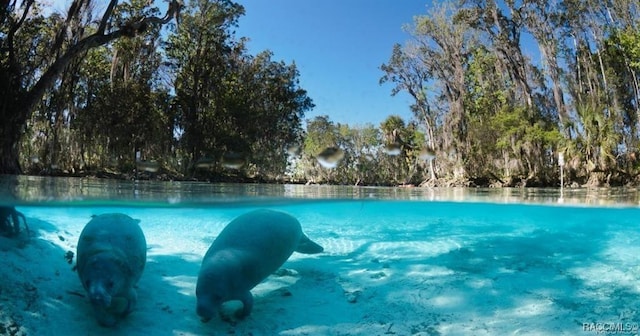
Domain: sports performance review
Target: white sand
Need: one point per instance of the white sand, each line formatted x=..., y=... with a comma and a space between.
x=418, y=279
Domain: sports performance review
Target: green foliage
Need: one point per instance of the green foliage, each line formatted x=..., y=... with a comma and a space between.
x=365, y=161
x=25, y=50
x=629, y=40
x=582, y=97
x=321, y=133
x=516, y=131
x=228, y=101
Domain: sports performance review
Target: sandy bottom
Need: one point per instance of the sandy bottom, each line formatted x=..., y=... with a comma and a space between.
x=396, y=276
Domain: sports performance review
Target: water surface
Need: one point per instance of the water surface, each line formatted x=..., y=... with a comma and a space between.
x=397, y=261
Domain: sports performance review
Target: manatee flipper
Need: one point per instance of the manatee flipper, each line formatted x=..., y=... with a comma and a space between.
x=247, y=305
x=120, y=306
x=307, y=246
x=123, y=305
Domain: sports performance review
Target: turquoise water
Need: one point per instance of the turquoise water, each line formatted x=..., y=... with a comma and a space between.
x=396, y=261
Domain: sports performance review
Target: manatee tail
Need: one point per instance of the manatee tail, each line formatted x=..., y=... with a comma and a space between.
x=307, y=246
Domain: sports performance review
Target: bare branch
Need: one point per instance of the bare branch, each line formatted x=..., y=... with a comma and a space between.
x=107, y=16
x=27, y=7
x=172, y=12
x=95, y=40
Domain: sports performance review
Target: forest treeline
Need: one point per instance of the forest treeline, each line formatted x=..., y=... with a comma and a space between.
x=500, y=90
x=495, y=113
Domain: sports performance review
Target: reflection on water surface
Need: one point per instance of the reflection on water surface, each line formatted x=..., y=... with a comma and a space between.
x=89, y=191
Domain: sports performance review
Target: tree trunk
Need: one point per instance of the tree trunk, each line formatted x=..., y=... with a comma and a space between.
x=10, y=133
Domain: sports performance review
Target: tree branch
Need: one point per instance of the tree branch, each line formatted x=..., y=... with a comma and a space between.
x=99, y=38
x=106, y=16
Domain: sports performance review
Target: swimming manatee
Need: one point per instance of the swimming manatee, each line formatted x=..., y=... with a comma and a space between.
x=111, y=255
x=248, y=249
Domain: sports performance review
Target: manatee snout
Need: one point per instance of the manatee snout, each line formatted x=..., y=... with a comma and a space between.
x=205, y=310
x=99, y=296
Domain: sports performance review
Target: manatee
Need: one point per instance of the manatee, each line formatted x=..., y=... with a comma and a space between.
x=249, y=248
x=111, y=255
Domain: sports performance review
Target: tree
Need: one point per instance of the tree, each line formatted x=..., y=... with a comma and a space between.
x=272, y=106
x=322, y=133
x=228, y=102
x=25, y=82
x=492, y=115
x=363, y=150
x=401, y=163
x=202, y=56
x=543, y=20
x=410, y=74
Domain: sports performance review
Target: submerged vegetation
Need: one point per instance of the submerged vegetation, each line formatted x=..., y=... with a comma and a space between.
x=10, y=221
x=500, y=89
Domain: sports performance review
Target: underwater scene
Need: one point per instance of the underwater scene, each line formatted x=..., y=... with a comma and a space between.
x=94, y=257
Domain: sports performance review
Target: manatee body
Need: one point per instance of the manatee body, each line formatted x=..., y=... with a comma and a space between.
x=111, y=255
x=248, y=249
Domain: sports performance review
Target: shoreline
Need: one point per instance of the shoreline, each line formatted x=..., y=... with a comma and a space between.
x=481, y=182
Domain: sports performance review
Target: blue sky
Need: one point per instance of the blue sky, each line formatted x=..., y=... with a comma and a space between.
x=338, y=47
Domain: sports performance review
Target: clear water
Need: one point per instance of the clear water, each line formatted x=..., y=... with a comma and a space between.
x=396, y=261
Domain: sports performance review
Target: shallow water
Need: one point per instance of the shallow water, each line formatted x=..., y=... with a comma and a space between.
x=31, y=190
x=396, y=261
